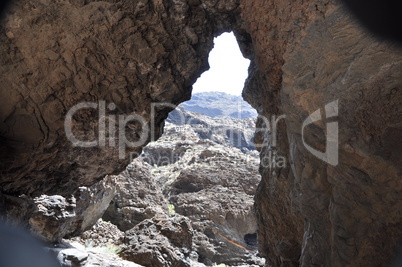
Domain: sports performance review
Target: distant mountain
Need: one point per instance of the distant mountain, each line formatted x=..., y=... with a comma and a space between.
x=220, y=105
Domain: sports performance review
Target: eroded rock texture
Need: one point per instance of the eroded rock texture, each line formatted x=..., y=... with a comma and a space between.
x=138, y=197
x=55, y=55
x=305, y=54
x=159, y=242
x=312, y=213
x=53, y=217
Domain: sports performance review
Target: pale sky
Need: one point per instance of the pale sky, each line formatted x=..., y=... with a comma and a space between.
x=228, y=68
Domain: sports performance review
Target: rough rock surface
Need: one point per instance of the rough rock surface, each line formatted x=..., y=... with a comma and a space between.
x=54, y=217
x=228, y=132
x=98, y=246
x=197, y=179
x=211, y=180
x=138, y=197
x=222, y=218
x=160, y=241
x=102, y=234
x=73, y=257
x=305, y=54
x=313, y=213
x=55, y=55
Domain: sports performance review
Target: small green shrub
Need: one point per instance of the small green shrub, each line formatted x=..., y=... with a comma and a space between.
x=107, y=249
x=171, y=209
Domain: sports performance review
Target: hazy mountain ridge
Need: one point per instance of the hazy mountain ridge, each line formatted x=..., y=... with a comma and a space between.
x=220, y=105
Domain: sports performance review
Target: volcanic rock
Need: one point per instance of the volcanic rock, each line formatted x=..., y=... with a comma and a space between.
x=138, y=197
x=160, y=241
x=54, y=217
x=304, y=55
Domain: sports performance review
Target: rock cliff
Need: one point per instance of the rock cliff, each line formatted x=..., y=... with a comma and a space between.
x=313, y=213
x=304, y=55
x=204, y=182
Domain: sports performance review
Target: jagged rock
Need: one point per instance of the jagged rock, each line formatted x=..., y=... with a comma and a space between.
x=231, y=210
x=54, y=217
x=57, y=217
x=230, y=132
x=138, y=197
x=304, y=55
x=101, y=235
x=212, y=184
x=55, y=55
x=214, y=166
x=160, y=241
x=197, y=177
x=98, y=246
x=221, y=216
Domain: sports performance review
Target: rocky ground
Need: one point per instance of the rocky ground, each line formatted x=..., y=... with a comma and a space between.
x=186, y=201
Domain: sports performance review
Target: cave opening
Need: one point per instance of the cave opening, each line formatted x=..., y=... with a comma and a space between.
x=251, y=239
x=123, y=56
x=206, y=164
x=228, y=68
x=203, y=170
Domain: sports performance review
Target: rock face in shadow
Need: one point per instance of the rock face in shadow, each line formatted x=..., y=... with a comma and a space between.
x=55, y=55
x=311, y=212
x=53, y=217
x=304, y=55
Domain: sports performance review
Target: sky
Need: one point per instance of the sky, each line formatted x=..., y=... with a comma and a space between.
x=228, y=68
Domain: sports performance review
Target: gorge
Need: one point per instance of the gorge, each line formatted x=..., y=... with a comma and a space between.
x=131, y=55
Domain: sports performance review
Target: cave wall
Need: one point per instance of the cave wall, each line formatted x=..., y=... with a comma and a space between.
x=312, y=213
x=57, y=54
x=305, y=54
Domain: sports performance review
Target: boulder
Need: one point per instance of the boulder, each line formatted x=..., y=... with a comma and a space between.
x=138, y=197
x=55, y=217
x=160, y=241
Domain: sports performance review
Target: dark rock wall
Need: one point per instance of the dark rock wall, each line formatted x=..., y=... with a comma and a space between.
x=55, y=55
x=304, y=55
x=312, y=213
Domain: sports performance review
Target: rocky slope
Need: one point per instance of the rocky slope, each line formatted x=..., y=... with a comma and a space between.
x=187, y=175
x=220, y=105
x=304, y=55
x=179, y=204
